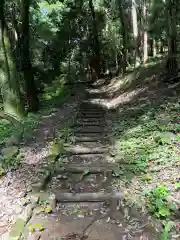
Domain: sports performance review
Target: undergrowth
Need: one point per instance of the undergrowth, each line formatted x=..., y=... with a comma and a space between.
x=53, y=97
x=147, y=148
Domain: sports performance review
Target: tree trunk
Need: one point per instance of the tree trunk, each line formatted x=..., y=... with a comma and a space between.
x=161, y=46
x=31, y=92
x=154, y=48
x=145, y=33
x=124, y=36
x=135, y=33
x=172, y=65
x=10, y=89
x=96, y=43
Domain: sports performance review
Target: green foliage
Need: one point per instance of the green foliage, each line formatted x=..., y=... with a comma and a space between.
x=36, y=227
x=6, y=130
x=158, y=203
x=167, y=227
x=178, y=185
x=11, y=159
x=44, y=208
x=2, y=171
x=149, y=136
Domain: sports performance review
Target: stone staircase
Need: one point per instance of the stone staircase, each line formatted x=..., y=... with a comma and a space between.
x=88, y=169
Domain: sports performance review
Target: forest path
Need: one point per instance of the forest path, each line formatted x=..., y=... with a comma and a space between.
x=88, y=206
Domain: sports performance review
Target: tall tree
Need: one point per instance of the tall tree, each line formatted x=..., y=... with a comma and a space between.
x=96, y=59
x=10, y=88
x=124, y=36
x=171, y=8
x=135, y=32
x=31, y=92
x=145, y=31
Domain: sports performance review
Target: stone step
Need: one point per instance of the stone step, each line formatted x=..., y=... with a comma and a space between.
x=79, y=150
x=91, y=108
x=86, y=114
x=92, y=113
x=89, y=124
x=92, y=168
x=87, y=134
x=99, y=159
x=82, y=115
x=90, y=144
x=87, y=148
x=88, y=197
x=91, y=120
x=91, y=139
x=89, y=128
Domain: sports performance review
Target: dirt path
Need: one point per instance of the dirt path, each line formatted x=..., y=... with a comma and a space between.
x=88, y=206
x=34, y=150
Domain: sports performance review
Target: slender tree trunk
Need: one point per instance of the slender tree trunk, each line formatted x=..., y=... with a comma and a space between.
x=10, y=90
x=154, y=48
x=124, y=36
x=135, y=33
x=161, y=46
x=172, y=65
x=96, y=43
x=145, y=33
x=31, y=92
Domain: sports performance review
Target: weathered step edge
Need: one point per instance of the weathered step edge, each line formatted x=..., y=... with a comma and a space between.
x=88, y=197
x=92, y=139
x=83, y=115
x=80, y=168
x=88, y=124
x=86, y=150
x=87, y=131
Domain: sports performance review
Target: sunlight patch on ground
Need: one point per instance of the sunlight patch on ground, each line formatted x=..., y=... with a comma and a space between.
x=121, y=99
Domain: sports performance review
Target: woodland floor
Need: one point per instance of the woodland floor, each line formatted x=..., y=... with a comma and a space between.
x=34, y=150
x=136, y=112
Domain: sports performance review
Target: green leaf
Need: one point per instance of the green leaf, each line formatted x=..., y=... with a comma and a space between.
x=146, y=177
x=48, y=209
x=86, y=171
x=172, y=206
x=178, y=185
x=164, y=212
x=159, y=203
x=117, y=172
x=31, y=228
x=39, y=227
